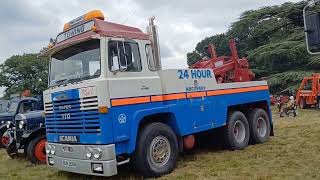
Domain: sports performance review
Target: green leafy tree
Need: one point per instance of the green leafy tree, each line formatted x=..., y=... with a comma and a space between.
x=22, y=72
x=273, y=39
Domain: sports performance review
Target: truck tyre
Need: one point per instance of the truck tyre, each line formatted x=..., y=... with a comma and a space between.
x=2, y=141
x=259, y=125
x=237, y=131
x=157, y=150
x=36, y=152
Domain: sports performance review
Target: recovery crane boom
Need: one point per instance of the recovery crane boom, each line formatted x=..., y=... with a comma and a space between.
x=227, y=68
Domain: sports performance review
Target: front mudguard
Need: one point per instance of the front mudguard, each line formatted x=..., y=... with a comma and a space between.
x=27, y=136
x=10, y=135
x=12, y=150
x=3, y=130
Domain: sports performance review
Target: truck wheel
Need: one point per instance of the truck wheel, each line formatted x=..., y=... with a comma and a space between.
x=157, y=150
x=259, y=126
x=3, y=140
x=237, y=131
x=36, y=152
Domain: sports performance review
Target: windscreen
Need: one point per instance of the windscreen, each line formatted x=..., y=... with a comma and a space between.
x=76, y=63
x=13, y=106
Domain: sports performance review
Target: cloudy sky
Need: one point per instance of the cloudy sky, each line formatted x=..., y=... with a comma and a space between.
x=26, y=26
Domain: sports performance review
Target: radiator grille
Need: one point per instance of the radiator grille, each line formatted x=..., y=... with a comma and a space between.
x=75, y=116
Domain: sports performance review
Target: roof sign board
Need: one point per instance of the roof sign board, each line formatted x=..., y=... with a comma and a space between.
x=75, y=31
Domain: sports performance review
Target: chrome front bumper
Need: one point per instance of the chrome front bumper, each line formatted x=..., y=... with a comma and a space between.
x=72, y=158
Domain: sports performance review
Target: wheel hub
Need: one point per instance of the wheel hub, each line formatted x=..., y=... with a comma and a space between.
x=239, y=131
x=160, y=150
x=40, y=153
x=5, y=140
x=261, y=127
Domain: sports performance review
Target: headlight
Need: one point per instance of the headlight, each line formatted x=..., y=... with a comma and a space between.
x=8, y=124
x=2, y=122
x=88, y=152
x=53, y=150
x=21, y=124
x=48, y=149
x=51, y=161
x=97, y=153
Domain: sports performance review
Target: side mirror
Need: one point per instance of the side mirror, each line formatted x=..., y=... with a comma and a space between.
x=115, y=64
x=312, y=28
x=123, y=57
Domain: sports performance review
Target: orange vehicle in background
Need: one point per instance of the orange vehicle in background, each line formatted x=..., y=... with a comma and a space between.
x=309, y=92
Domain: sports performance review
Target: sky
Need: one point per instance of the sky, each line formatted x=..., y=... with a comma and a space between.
x=27, y=25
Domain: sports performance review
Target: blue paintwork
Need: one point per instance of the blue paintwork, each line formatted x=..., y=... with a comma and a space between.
x=80, y=122
x=33, y=121
x=187, y=118
x=9, y=116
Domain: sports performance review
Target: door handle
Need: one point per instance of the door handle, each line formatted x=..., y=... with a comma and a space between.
x=144, y=88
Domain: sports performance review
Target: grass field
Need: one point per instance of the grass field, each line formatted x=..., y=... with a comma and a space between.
x=293, y=153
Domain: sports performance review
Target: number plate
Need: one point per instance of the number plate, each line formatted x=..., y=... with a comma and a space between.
x=68, y=163
x=20, y=150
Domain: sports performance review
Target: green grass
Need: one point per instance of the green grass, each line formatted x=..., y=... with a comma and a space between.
x=293, y=153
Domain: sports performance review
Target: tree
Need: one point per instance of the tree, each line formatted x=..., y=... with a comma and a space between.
x=273, y=40
x=22, y=72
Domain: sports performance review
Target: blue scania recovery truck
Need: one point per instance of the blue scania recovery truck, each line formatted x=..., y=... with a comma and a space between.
x=110, y=103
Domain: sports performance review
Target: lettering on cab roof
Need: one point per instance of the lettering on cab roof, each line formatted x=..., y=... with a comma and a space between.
x=75, y=31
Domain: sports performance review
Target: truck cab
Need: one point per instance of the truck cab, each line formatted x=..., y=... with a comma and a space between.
x=110, y=103
x=16, y=106
x=28, y=137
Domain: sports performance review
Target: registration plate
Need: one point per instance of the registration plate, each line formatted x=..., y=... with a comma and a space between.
x=67, y=163
x=20, y=151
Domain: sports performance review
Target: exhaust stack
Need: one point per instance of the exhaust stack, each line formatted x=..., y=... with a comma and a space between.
x=153, y=35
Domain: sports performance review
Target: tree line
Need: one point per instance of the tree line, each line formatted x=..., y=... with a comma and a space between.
x=272, y=38
x=24, y=72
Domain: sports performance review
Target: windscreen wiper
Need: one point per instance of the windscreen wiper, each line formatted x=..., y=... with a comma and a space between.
x=62, y=81
x=82, y=78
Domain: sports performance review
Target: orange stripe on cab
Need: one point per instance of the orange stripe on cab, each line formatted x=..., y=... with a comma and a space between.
x=156, y=98
x=168, y=97
x=238, y=90
x=128, y=101
x=196, y=94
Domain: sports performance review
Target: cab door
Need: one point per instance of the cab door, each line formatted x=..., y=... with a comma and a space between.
x=131, y=83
